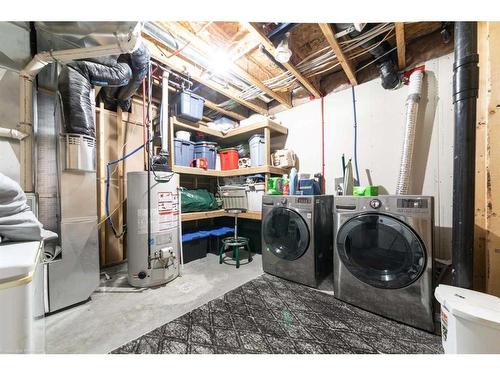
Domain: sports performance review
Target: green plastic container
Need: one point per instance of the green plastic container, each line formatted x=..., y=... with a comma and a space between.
x=365, y=191
x=275, y=186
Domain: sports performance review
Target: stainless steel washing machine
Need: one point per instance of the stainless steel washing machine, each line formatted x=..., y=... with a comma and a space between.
x=297, y=237
x=383, y=256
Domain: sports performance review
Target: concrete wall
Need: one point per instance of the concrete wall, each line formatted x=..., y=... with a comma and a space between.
x=380, y=116
x=14, y=53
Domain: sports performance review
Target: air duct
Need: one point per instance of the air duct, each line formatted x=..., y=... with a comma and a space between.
x=385, y=61
x=414, y=94
x=465, y=91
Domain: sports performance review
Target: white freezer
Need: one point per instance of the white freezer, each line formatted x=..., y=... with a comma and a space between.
x=22, y=323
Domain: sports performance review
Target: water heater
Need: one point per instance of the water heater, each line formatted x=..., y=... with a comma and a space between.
x=153, y=240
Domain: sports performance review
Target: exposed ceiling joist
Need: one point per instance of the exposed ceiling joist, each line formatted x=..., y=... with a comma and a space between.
x=202, y=46
x=346, y=65
x=183, y=66
x=270, y=47
x=401, y=44
x=226, y=112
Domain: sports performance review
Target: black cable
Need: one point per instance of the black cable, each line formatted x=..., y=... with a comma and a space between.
x=148, y=151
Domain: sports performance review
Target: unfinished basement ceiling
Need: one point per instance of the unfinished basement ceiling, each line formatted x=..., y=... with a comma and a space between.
x=232, y=65
x=236, y=59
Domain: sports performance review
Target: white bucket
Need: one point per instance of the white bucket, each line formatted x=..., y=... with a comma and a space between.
x=470, y=321
x=255, y=192
x=184, y=135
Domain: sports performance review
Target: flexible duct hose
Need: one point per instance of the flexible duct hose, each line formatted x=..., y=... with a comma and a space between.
x=415, y=91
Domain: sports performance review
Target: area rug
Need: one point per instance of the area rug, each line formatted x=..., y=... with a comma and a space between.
x=275, y=316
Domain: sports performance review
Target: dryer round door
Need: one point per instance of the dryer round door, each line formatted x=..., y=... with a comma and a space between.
x=381, y=251
x=285, y=233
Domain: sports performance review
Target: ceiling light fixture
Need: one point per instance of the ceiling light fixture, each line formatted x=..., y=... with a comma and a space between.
x=283, y=51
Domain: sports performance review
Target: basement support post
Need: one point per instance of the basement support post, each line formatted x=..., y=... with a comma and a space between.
x=465, y=91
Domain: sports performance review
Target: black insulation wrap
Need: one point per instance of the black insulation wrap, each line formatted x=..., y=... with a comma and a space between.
x=119, y=76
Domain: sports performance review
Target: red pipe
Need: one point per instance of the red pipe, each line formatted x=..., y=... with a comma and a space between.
x=144, y=110
x=323, y=145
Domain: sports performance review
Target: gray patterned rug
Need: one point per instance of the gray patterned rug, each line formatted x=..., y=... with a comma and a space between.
x=271, y=315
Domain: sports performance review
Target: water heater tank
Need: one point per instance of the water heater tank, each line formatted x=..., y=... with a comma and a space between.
x=162, y=264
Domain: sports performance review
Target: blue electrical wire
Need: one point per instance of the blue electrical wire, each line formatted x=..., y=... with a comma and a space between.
x=108, y=165
x=355, y=134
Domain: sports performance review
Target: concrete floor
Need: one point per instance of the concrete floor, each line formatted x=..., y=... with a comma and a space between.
x=118, y=313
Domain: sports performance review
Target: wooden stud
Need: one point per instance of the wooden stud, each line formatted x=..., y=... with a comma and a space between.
x=101, y=195
x=401, y=44
x=182, y=66
x=345, y=63
x=121, y=167
x=480, y=221
x=255, y=29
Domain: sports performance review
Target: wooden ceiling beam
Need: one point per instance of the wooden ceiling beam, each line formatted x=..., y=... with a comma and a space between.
x=401, y=44
x=203, y=47
x=182, y=66
x=254, y=28
x=345, y=63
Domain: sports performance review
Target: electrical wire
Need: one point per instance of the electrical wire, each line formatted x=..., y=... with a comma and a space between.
x=355, y=134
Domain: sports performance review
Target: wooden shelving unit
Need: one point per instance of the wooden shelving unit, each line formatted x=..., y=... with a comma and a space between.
x=191, y=216
x=267, y=127
x=230, y=173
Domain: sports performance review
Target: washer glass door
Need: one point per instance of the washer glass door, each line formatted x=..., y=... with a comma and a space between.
x=381, y=251
x=285, y=233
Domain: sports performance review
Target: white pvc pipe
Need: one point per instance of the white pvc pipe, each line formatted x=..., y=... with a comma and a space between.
x=415, y=91
x=12, y=133
x=164, y=113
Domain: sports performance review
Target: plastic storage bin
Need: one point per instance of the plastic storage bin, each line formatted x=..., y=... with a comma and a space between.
x=188, y=105
x=206, y=150
x=229, y=159
x=470, y=321
x=194, y=245
x=257, y=149
x=234, y=197
x=183, y=152
x=216, y=235
x=254, y=194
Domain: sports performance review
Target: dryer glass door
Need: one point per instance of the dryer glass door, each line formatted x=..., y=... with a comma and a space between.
x=285, y=233
x=381, y=251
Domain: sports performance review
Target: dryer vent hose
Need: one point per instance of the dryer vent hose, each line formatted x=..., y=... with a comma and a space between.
x=415, y=91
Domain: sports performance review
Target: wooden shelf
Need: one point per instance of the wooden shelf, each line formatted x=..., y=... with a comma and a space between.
x=191, y=216
x=232, y=135
x=229, y=173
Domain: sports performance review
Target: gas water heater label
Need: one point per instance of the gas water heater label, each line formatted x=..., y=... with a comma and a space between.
x=168, y=209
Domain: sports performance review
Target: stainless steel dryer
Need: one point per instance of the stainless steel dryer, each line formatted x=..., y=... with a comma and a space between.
x=383, y=256
x=297, y=237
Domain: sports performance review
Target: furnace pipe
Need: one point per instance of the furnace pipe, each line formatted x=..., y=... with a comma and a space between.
x=12, y=134
x=414, y=94
x=465, y=91
x=164, y=113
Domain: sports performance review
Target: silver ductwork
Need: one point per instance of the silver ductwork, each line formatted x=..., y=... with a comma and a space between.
x=414, y=94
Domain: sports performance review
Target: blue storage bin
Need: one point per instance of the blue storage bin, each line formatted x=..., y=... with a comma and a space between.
x=188, y=106
x=195, y=245
x=206, y=150
x=183, y=152
x=257, y=143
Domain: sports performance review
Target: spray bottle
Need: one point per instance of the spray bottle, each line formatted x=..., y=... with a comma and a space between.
x=293, y=181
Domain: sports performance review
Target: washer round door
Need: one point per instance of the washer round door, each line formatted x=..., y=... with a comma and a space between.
x=381, y=251
x=285, y=233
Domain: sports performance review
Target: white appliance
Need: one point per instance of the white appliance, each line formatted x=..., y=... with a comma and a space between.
x=22, y=324
x=158, y=263
x=470, y=321
x=383, y=256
